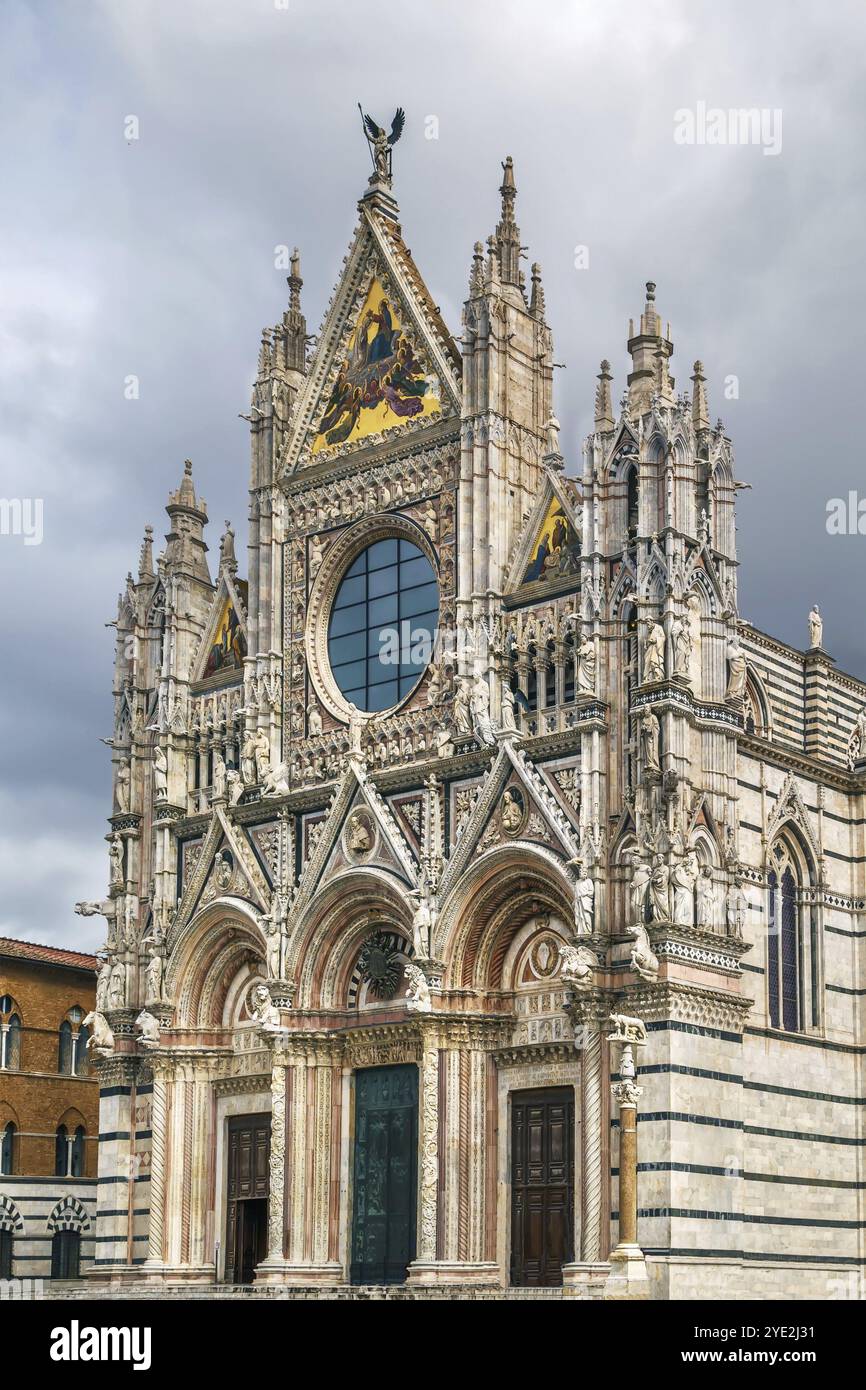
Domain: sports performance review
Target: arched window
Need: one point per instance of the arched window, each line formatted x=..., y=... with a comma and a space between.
x=61, y=1152
x=10, y=1034
x=632, y=503
x=792, y=976
x=71, y=1057
x=66, y=1255
x=7, y=1150
x=64, y=1061
x=76, y=1157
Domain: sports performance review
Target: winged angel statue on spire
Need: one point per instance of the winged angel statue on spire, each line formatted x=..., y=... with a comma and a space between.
x=381, y=144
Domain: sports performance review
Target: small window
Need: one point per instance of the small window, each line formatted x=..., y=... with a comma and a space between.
x=71, y=1051
x=10, y=1034
x=5, y=1254
x=66, y=1255
x=64, y=1061
x=7, y=1150
x=76, y=1164
x=61, y=1152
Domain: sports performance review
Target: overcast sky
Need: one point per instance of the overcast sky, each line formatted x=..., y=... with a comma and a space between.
x=155, y=257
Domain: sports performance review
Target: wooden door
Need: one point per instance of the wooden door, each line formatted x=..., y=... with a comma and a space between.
x=249, y=1145
x=385, y=1174
x=542, y=1185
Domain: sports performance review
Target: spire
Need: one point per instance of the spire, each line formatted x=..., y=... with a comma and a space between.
x=228, y=559
x=507, y=231
x=186, y=547
x=536, y=303
x=476, y=274
x=288, y=342
x=145, y=563
x=650, y=351
x=700, y=409
x=603, y=409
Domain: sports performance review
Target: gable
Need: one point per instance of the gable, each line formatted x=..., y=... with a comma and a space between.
x=385, y=365
x=548, y=551
x=224, y=641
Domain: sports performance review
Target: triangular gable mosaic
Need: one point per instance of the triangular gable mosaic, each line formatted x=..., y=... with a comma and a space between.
x=385, y=364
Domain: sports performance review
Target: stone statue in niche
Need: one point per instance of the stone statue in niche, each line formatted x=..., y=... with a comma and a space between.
x=462, y=708
x=262, y=754
x=117, y=986
x=115, y=851
x=511, y=811
x=736, y=690
x=649, y=741
x=248, y=761
x=423, y=923
x=681, y=638
x=683, y=878
x=219, y=777
x=707, y=900
x=121, y=789
x=508, y=717
x=160, y=775
x=660, y=890
x=587, y=666
x=735, y=910
x=482, y=722
x=654, y=654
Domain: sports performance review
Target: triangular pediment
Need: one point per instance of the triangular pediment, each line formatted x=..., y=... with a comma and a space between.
x=513, y=805
x=223, y=646
x=225, y=867
x=358, y=832
x=385, y=366
x=547, y=553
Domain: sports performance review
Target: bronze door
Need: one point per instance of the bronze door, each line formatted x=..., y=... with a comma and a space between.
x=542, y=1185
x=385, y=1174
x=249, y=1144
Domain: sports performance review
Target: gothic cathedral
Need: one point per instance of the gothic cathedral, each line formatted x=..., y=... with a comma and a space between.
x=486, y=896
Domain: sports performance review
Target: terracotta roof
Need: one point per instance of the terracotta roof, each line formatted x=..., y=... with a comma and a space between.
x=48, y=955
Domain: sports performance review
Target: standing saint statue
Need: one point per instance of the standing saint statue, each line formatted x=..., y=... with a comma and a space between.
x=682, y=645
x=736, y=672
x=160, y=774
x=587, y=665
x=649, y=741
x=654, y=654
x=816, y=627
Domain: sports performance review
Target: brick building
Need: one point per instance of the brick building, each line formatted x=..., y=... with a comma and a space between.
x=49, y=1104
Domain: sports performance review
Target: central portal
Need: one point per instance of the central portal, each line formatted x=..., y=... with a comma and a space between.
x=385, y=1174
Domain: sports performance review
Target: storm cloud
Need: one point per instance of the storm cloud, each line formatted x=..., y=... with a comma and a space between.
x=154, y=257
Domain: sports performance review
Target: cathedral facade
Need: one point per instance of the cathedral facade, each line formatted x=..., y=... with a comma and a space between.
x=486, y=897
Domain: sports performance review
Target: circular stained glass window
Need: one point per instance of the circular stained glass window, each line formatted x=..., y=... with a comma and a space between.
x=383, y=624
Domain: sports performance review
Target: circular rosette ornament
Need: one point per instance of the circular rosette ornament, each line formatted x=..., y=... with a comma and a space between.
x=380, y=965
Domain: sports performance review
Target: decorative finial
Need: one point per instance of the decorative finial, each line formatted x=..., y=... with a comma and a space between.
x=381, y=144
x=603, y=409
x=650, y=291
